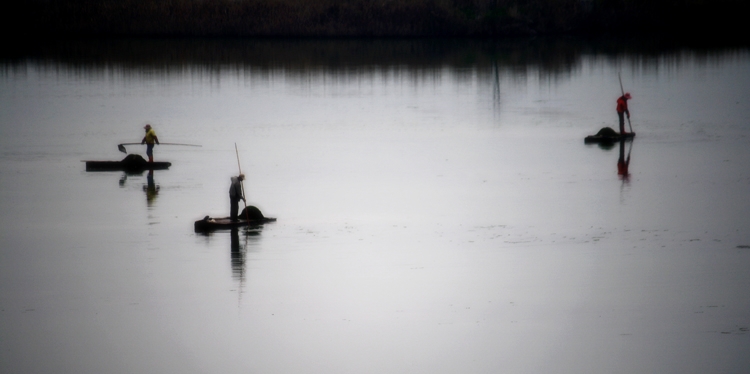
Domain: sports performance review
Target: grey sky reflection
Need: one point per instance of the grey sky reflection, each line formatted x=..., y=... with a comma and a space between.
x=438, y=210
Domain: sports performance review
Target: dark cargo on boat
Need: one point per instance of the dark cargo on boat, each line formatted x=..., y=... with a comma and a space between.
x=250, y=216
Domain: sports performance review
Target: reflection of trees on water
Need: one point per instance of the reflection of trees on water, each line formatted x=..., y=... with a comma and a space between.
x=495, y=86
x=343, y=59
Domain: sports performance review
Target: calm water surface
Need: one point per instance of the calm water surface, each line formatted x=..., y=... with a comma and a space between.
x=438, y=211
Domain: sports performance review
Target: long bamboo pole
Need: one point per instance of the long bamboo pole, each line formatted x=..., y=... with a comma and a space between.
x=623, y=94
x=247, y=214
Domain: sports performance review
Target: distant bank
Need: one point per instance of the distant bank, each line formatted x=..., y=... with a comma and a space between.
x=704, y=19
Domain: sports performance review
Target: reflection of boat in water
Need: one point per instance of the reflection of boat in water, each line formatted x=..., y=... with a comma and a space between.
x=256, y=218
x=131, y=163
x=608, y=136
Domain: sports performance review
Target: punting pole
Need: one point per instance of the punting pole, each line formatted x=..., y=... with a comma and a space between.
x=244, y=200
x=623, y=94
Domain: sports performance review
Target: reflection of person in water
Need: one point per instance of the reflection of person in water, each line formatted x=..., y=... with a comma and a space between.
x=151, y=188
x=623, y=163
x=238, y=258
x=238, y=251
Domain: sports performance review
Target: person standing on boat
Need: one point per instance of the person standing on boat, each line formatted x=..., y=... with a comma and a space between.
x=149, y=140
x=622, y=110
x=235, y=195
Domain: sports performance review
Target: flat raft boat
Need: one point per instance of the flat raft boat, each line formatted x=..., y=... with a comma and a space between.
x=211, y=224
x=608, y=136
x=131, y=163
x=225, y=223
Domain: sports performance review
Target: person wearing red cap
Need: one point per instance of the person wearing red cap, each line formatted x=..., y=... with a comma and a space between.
x=149, y=140
x=622, y=110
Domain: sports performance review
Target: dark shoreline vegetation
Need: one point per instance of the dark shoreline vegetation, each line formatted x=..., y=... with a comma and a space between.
x=696, y=19
x=548, y=56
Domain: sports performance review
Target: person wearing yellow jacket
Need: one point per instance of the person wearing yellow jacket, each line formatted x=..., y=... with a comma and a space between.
x=149, y=140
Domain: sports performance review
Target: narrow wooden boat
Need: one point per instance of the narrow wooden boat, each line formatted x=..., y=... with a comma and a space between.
x=224, y=223
x=131, y=163
x=608, y=136
x=250, y=216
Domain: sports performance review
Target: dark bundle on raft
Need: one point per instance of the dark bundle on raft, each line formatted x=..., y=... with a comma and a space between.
x=607, y=135
x=131, y=163
x=250, y=216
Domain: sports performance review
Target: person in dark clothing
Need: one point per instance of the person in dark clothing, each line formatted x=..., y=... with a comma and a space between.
x=235, y=195
x=622, y=110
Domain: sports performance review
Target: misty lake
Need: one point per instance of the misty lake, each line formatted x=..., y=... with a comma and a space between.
x=438, y=210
